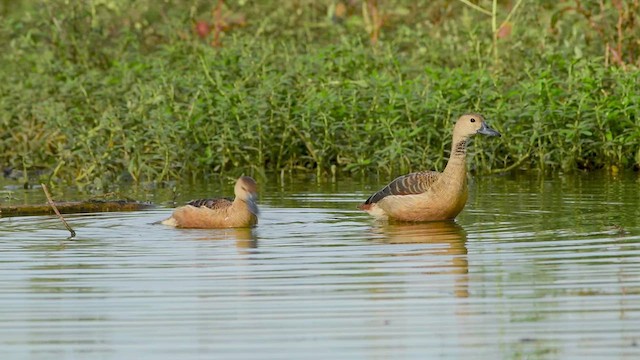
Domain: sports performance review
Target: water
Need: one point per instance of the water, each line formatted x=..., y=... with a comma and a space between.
x=537, y=268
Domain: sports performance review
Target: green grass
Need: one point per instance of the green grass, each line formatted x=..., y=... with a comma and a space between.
x=110, y=90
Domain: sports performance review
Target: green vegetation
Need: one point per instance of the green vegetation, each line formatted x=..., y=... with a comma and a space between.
x=160, y=90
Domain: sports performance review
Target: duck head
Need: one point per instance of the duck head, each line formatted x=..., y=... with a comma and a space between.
x=471, y=124
x=246, y=189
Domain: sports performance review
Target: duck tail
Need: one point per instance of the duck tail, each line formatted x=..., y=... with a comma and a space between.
x=365, y=207
x=170, y=221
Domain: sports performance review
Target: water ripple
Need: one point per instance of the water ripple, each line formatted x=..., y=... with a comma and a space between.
x=526, y=271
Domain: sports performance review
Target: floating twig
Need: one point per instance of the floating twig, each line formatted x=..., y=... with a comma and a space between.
x=55, y=209
x=74, y=207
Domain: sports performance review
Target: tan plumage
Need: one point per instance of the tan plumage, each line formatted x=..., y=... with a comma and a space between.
x=430, y=195
x=220, y=213
x=414, y=183
x=213, y=204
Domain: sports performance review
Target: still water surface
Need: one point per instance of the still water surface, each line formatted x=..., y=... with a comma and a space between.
x=537, y=268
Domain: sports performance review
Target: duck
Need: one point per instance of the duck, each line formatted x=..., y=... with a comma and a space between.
x=240, y=212
x=431, y=195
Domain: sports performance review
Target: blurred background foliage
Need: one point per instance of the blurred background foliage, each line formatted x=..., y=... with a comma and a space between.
x=112, y=90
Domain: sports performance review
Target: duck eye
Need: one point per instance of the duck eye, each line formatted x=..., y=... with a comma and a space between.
x=473, y=120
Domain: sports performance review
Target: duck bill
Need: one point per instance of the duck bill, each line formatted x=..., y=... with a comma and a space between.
x=251, y=203
x=486, y=130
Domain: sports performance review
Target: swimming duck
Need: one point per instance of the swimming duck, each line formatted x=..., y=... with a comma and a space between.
x=220, y=213
x=431, y=195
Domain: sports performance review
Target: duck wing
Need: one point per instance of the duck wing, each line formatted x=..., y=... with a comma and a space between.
x=213, y=204
x=410, y=184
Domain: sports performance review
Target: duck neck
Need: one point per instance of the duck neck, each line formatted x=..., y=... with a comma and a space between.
x=457, y=165
x=249, y=205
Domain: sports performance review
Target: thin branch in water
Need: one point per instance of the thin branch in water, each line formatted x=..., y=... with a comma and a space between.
x=55, y=209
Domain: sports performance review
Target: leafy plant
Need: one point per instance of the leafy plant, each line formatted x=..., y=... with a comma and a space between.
x=117, y=90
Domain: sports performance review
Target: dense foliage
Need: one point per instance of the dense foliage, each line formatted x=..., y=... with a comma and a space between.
x=158, y=90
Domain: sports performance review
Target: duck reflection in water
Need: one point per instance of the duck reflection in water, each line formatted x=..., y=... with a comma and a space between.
x=245, y=238
x=445, y=239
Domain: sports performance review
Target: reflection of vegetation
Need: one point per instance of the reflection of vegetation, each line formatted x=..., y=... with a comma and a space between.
x=156, y=90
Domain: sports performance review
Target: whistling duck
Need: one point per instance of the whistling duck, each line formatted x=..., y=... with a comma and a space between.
x=220, y=213
x=431, y=195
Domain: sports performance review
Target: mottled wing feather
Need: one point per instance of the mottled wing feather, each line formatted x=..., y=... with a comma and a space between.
x=211, y=203
x=414, y=183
